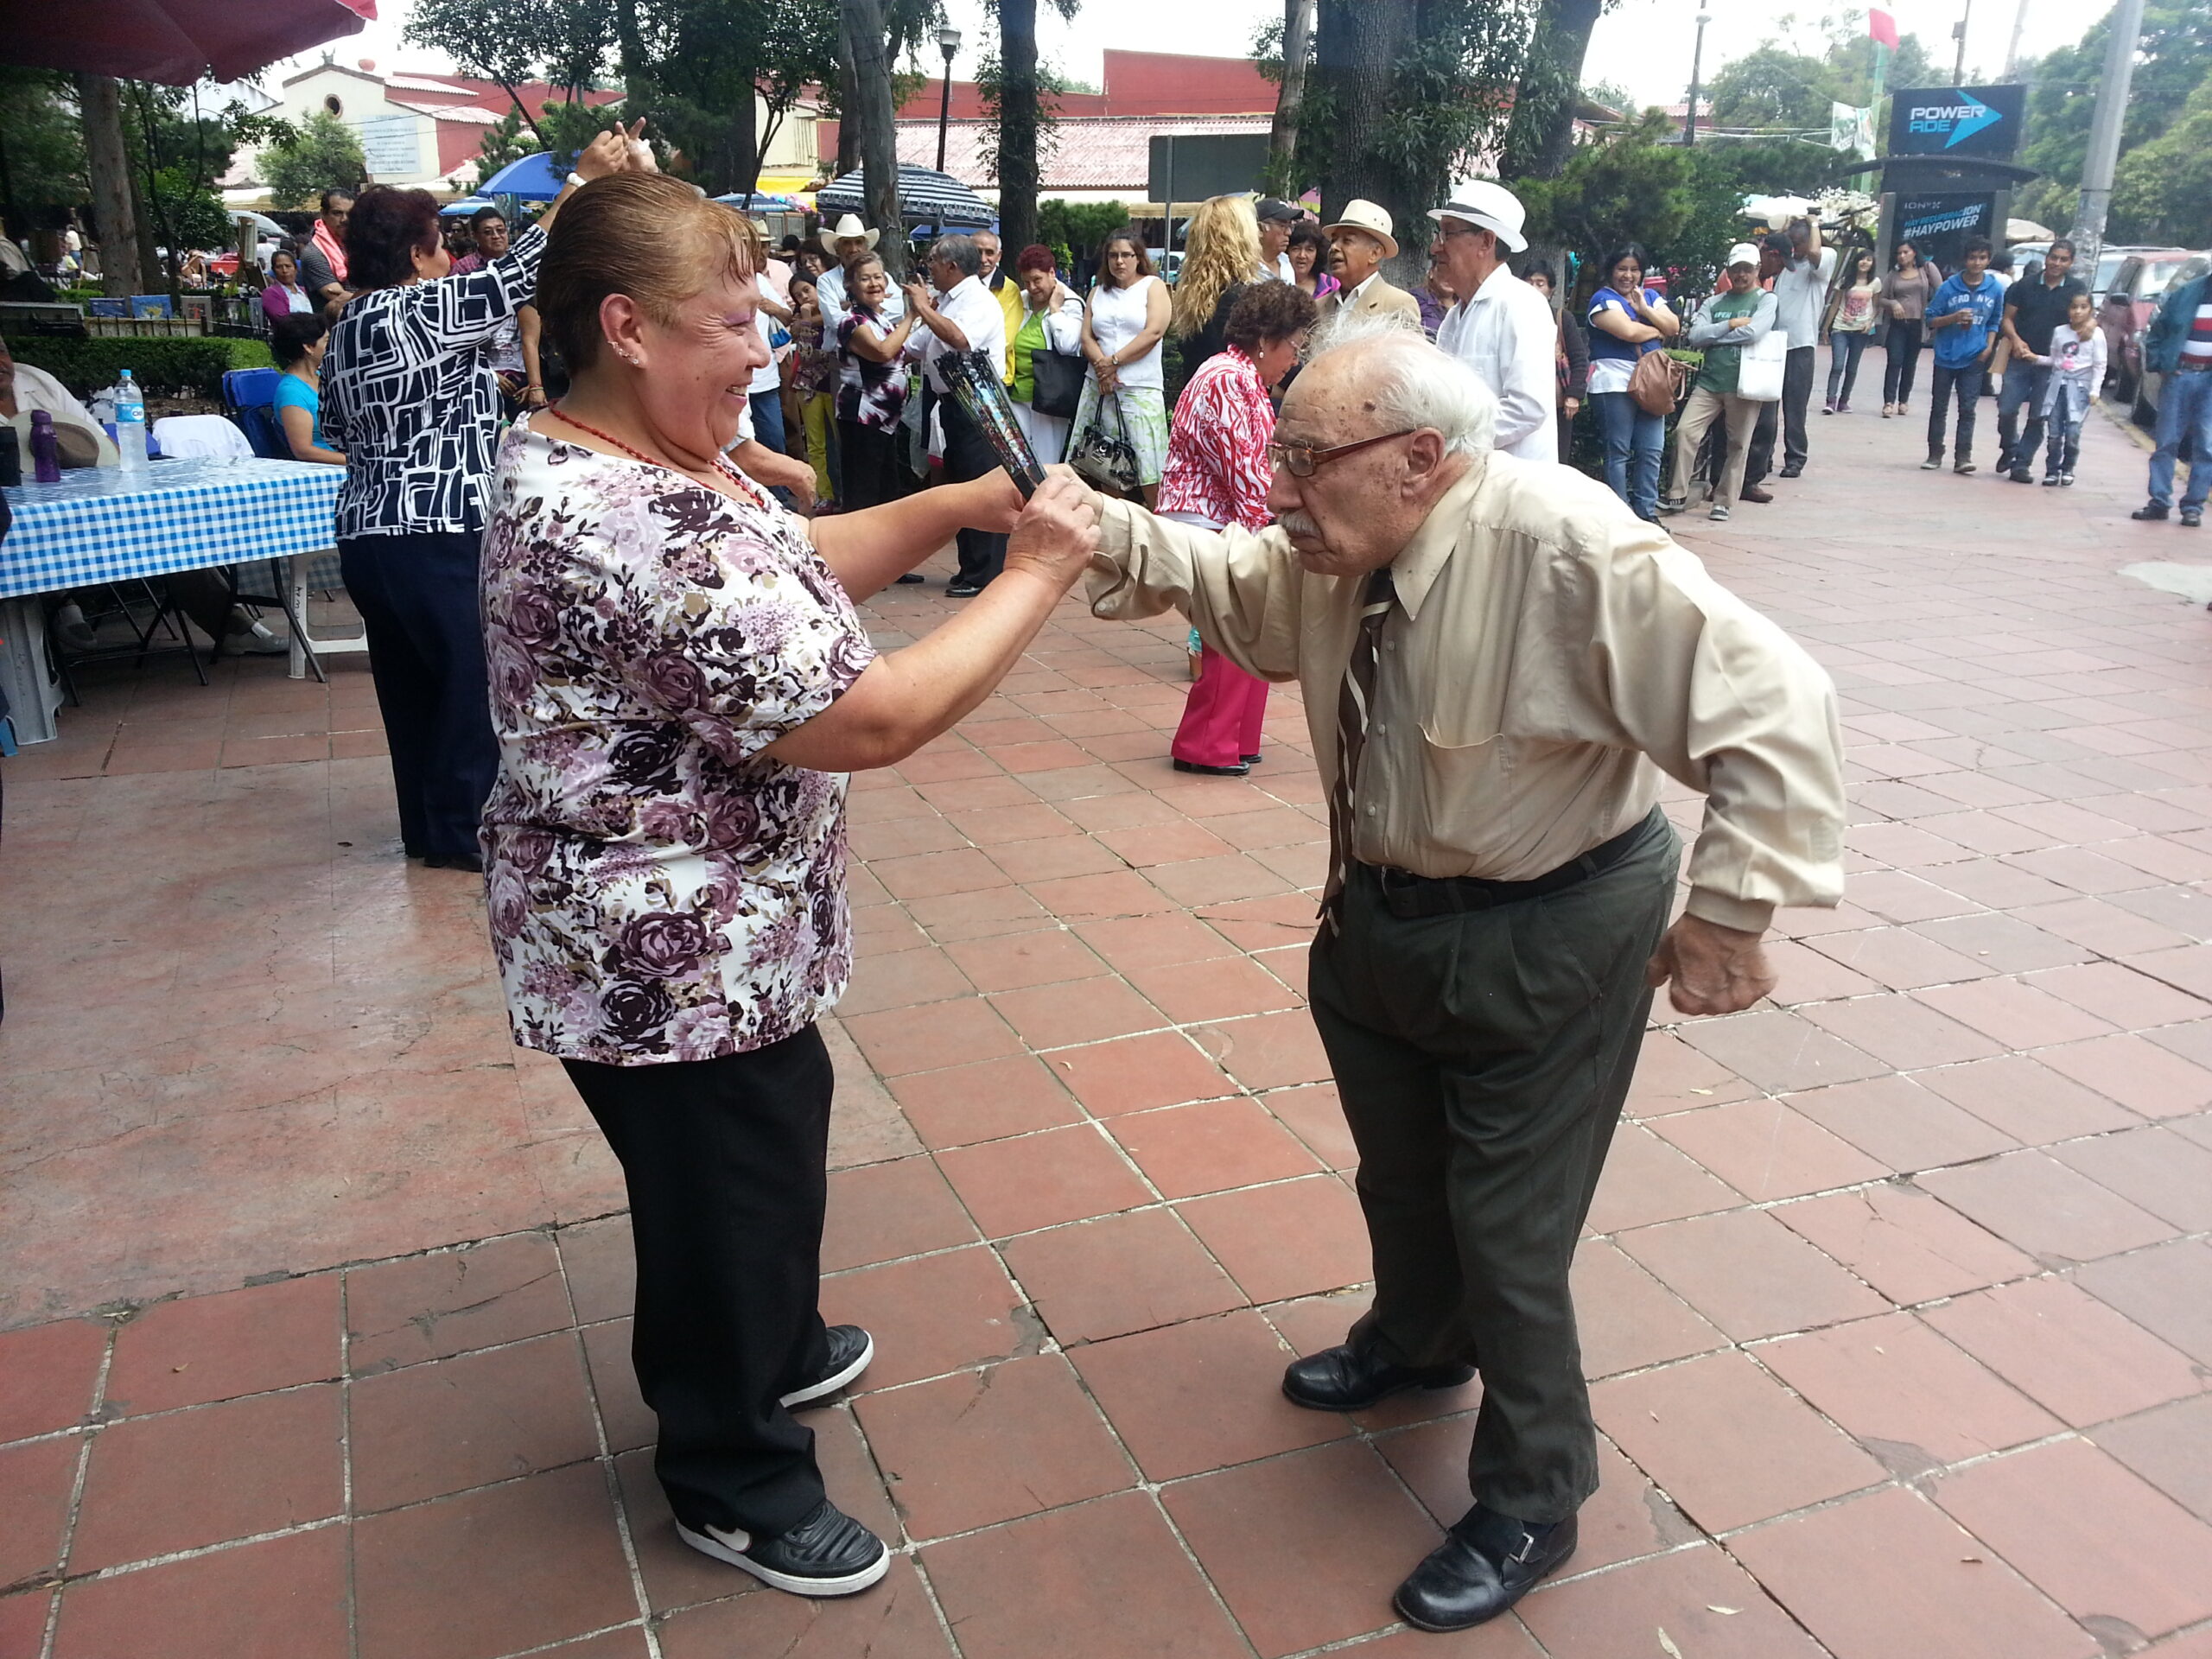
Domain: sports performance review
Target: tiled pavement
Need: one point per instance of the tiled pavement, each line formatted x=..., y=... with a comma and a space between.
x=1899, y=1295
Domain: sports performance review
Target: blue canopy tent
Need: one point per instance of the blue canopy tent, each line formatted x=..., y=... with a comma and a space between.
x=534, y=178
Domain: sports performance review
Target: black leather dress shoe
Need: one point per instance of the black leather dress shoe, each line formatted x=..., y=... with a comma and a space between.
x=1236, y=771
x=1486, y=1562
x=468, y=861
x=1343, y=1379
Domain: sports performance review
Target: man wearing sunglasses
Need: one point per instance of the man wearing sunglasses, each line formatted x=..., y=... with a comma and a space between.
x=1499, y=663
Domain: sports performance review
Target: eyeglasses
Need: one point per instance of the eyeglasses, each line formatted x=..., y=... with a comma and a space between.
x=1299, y=460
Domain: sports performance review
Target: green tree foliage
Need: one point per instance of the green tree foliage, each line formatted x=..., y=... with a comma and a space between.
x=2162, y=191
x=563, y=129
x=322, y=154
x=2173, y=66
x=1774, y=89
x=1073, y=229
x=513, y=41
x=42, y=143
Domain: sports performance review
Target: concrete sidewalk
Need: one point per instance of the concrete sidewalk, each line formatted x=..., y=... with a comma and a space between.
x=1898, y=1293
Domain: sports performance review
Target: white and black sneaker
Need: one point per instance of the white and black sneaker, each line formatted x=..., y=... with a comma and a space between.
x=829, y=1554
x=850, y=1351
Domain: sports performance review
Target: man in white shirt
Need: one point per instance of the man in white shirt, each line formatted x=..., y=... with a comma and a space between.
x=1801, y=290
x=1503, y=329
x=964, y=317
x=849, y=237
x=1276, y=217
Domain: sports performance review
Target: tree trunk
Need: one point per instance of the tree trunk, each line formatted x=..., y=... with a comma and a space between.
x=1541, y=136
x=878, y=143
x=630, y=48
x=1357, y=44
x=114, y=226
x=849, y=100
x=1017, y=124
x=1283, y=138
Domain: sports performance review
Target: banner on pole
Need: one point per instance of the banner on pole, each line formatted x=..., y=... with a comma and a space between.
x=1852, y=129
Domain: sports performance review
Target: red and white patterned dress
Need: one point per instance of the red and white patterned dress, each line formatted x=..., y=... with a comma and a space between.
x=1217, y=465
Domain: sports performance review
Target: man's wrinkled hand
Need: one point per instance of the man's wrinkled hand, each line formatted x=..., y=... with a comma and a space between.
x=1709, y=969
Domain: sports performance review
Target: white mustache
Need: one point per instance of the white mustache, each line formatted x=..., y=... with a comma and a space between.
x=1295, y=523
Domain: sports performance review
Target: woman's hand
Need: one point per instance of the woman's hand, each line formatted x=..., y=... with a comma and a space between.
x=991, y=504
x=1057, y=533
x=637, y=154
x=606, y=154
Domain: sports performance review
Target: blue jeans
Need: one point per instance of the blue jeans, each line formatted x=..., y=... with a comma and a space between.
x=2024, y=383
x=1634, y=442
x=1845, y=348
x=2184, y=407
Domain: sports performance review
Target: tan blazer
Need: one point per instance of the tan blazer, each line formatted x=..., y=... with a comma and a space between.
x=1380, y=295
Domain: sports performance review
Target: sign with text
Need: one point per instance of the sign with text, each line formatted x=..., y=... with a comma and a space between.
x=390, y=146
x=1982, y=121
x=1938, y=226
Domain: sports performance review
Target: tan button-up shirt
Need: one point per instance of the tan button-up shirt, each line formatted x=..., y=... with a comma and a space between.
x=1546, y=650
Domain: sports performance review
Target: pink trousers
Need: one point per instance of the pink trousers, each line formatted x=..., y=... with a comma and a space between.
x=1221, y=720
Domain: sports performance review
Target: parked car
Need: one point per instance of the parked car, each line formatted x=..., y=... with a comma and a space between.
x=2124, y=310
x=2147, y=381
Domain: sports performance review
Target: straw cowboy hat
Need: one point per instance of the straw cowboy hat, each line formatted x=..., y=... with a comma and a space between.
x=1488, y=207
x=1360, y=214
x=846, y=229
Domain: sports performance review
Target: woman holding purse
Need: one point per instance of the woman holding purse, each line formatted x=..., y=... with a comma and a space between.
x=1047, y=385
x=1122, y=328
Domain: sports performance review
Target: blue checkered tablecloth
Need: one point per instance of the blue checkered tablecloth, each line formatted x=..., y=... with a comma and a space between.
x=105, y=524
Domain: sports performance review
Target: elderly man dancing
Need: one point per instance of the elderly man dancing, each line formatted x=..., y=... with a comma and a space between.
x=1498, y=660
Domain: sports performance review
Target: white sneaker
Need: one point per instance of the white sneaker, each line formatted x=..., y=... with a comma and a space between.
x=254, y=640
x=1719, y=512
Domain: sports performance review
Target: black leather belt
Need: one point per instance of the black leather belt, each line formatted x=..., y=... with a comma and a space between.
x=1409, y=897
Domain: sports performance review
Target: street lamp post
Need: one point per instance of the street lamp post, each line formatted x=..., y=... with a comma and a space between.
x=948, y=38
x=1697, y=63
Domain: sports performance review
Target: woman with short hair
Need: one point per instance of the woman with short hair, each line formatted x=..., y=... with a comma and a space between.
x=871, y=385
x=407, y=397
x=1308, y=253
x=1051, y=322
x=298, y=344
x=1123, y=327
x=681, y=682
x=1218, y=474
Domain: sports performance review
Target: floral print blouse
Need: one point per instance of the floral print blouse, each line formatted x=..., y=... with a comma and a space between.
x=873, y=394
x=658, y=890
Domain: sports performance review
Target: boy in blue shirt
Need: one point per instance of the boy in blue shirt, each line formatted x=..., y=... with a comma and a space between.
x=1963, y=315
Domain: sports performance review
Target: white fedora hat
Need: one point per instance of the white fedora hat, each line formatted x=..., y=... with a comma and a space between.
x=1493, y=206
x=1360, y=214
x=846, y=229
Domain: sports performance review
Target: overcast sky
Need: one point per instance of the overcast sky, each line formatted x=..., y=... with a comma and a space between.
x=1641, y=45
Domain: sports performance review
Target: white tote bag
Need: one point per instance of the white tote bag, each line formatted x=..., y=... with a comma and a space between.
x=1759, y=376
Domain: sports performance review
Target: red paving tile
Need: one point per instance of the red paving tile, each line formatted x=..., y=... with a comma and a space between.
x=1750, y=1274
x=1304, y=1549
x=492, y=1571
x=929, y=1316
x=1889, y=1573
x=2094, y=1537
x=1706, y=1604
x=430, y=1306
x=41, y=1481
x=1212, y=1146
x=204, y=1348
x=2032, y=1200
x=880, y=1212
x=1904, y=1242
x=980, y=1447
x=1133, y=1074
x=1096, y=1581
x=1101, y=1279
x=281, y=1598
x=1765, y=1150
x=1042, y=1180
x=963, y=1104
x=1295, y=1238
x=2066, y=1350
x=894, y=1621
x=47, y=1375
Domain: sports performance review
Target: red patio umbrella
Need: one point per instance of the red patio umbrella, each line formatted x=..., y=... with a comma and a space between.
x=176, y=41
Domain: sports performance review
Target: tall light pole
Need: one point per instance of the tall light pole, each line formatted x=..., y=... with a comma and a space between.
x=948, y=39
x=1697, y=64
x=2104, y=137
x=1959, y=34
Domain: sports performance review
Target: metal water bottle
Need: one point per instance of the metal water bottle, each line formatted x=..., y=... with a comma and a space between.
x=45, y=449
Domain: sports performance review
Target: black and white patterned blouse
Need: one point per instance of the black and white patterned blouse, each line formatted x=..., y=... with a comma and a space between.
x=409, y=394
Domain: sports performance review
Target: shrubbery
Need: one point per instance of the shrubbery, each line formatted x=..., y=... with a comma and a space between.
x=182, y=365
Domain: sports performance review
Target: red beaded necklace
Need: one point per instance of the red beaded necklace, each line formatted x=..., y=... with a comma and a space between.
x=721, y=461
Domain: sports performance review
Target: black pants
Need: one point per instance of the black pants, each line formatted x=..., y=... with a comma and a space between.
x=872, y=473
x=1483, y=1057
x=1966, y=384
x=1797, y=375
x=725, y=1161
x=417, y=597
x=1759, y=462
x=1905, y=338
x=969, y=454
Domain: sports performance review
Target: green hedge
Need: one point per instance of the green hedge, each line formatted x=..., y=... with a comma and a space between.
x=181, y=365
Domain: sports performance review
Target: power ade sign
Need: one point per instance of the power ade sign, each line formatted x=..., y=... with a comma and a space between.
x=1979, y=121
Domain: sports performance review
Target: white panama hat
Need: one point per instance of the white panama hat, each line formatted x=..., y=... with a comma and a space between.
x=845, y=230
x=1360, y=214
x=1491, y=205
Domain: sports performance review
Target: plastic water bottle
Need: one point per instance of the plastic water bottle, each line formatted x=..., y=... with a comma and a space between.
x=130, y=424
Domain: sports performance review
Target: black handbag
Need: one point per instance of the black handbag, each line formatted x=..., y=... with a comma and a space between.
x=1106, y=461
x=1056, y=384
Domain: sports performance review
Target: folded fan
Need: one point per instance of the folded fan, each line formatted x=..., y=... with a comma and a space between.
x=981, y=394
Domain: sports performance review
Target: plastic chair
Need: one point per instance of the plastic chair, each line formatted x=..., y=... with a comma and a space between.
x=249, y=389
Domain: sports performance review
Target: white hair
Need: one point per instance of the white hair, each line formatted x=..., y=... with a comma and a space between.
x=1417, y=384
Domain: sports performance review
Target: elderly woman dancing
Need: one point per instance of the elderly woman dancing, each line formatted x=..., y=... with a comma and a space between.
x=679, y=681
